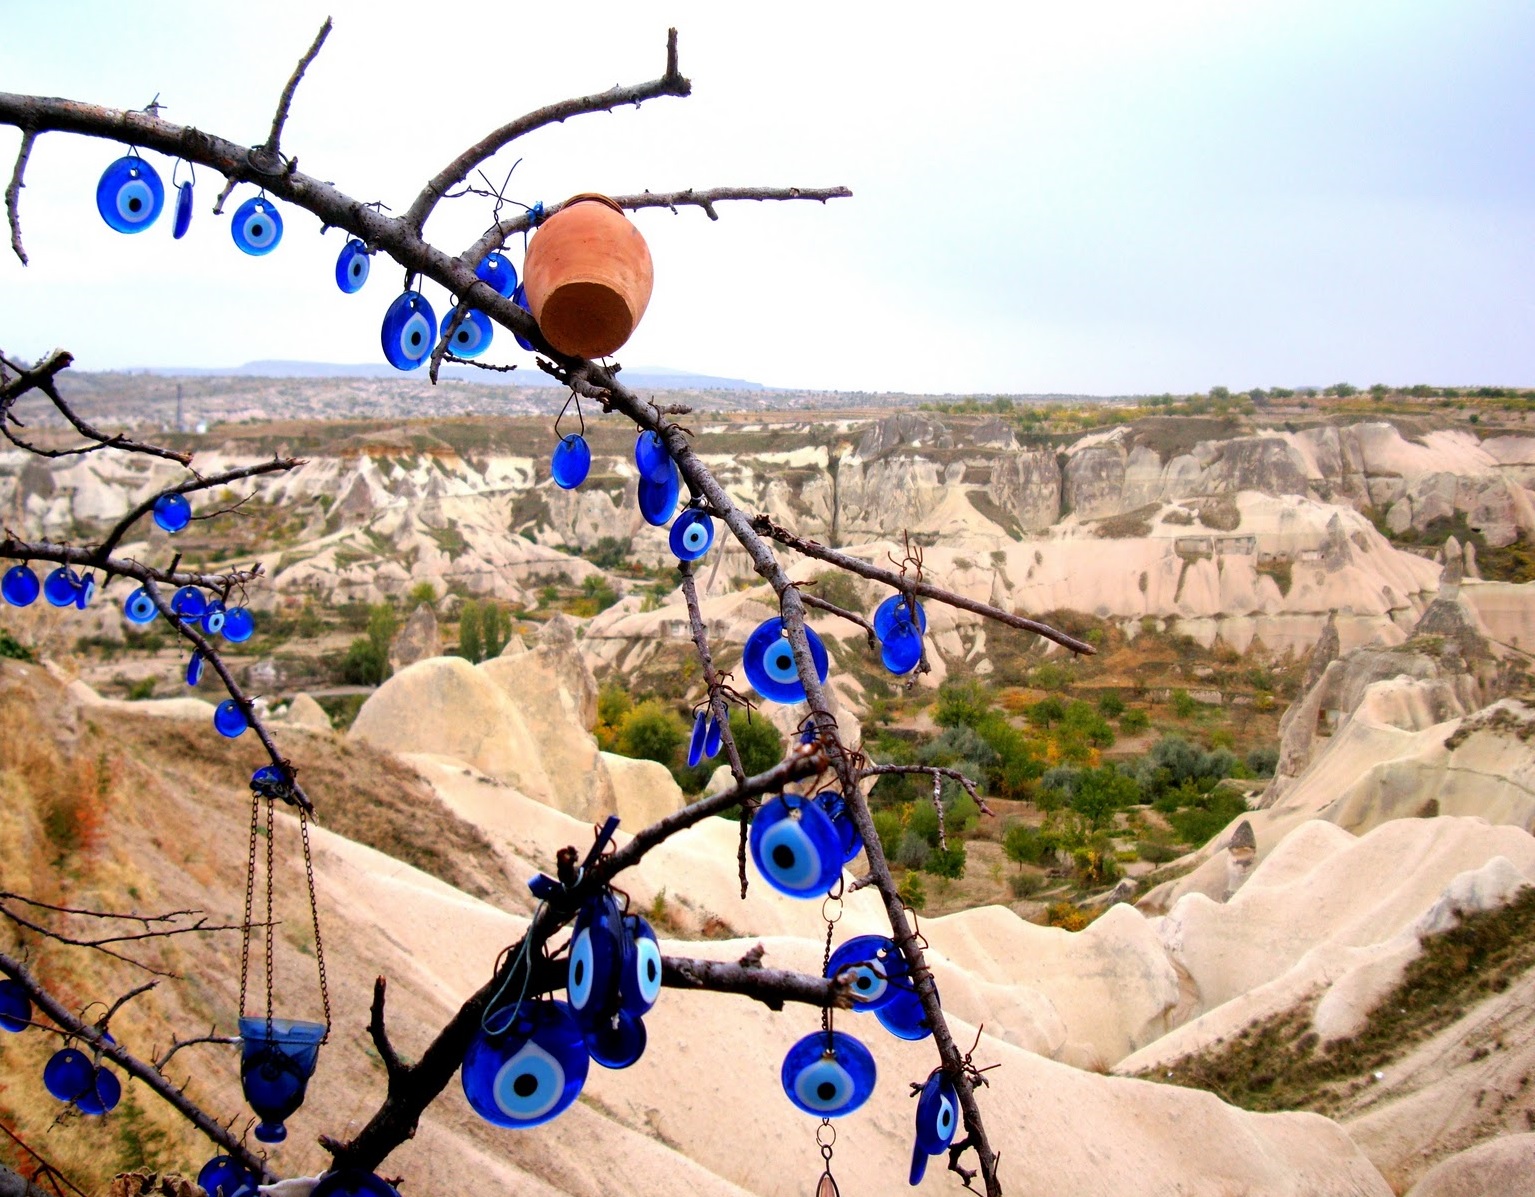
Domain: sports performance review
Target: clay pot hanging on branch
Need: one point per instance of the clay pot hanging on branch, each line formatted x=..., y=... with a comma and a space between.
x=588, y=277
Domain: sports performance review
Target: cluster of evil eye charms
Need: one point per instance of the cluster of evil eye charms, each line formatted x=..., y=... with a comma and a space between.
x=768, y=660
x=614, y=979
x=800, y=844
x=130, y=198
x=63, y=587
x=704, y=744
x=191, y=606
x=660, y=482
x=75, y=1079
x=900, y=635
x=880, y=984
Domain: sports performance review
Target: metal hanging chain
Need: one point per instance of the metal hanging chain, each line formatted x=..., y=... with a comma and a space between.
x=835, y=904
x=250, y=891
x=825, y=1138
x=314, y=917
x=270, y=929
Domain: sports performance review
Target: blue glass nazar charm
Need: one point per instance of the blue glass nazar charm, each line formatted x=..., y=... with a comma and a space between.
x=713, y=738
x=532, y=1072
x=903, y=1015
x=659, y=499
x=409, y=331
x=225, y=1174
x=15, y=1006
x=230, y=720
x=183, y=211
x=571, y=462
x=878, y=970
x=499, y=273
x=257, y=228
x=62, y=587
x=239, y=625
x=20, y=586
x=189, y=604
x=352, y=1182
x=520, y=298
x=213, y=618
x=651, y=456
x=130, y=195
x=172, y=512
x=769, y=662
x=139, y=607
x=892, y=610
x=68, y=1073
x=692, y=535
x=473, y=334
x=352, y=266
x=795, y=847
x=828, y=1074
x=696, y=740
x=937, y=1120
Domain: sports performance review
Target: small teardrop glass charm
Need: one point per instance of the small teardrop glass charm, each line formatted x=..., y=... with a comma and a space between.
x=827, y=1187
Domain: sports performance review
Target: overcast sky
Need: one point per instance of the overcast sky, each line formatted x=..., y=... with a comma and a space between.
x=1113, y=197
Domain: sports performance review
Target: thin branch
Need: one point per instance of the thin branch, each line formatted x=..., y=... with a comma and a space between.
x=41, y=378
x=477, y=364
x=177, y=1045
x=380, y=1034
x=13, y=193
x=146, y=919
x=281, y=116
x=937, y=771
x=770, y=986
x=14, y=1185
x=278, y=465
x=106, y=1018
x=811, y=600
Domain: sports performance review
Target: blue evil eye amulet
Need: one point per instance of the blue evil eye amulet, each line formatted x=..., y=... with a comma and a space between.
x=172, y=512
x=139, y=607
x=224, y=1172
x=15, y=1006
x=658, y=500
x=257, y=228
x=130, y=195
x=531, y=1072
x=937, y=1120
x=472, y=336
x=878, y=970
x=183, y=211
x=20, y=586
x=571, y=462
x=239, y=625
x=795, y=847
x=769, y=662
x=353, y=1182
x=352, y=266
x=651, y=456
x=409, y=331
x=893, y=610
x=520, y=298
x=496, y=270
x=230, y=719
x=692, y=535
x=828, y=1074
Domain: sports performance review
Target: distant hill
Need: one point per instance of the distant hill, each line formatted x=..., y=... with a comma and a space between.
x=656, y=377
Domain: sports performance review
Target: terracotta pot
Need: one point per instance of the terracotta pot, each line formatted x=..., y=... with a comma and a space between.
x=588, y=277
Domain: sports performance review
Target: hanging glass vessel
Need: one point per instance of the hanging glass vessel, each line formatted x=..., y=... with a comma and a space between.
x=277, y=1058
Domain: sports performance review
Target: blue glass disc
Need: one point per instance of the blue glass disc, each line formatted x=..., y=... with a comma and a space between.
x=696, y=740
x=712, y=738
x=15, y=1006
x=617, y=1042
x=472, y=336
x=893, y=609
x=224, y=1172
x=879, y=970
x=239, y=625
x=173, y=512
x=795, y=847
x=769, y=662
x=230, y=719
x=183, y=211
x=68, y=1074
x=351, y=1182
x=651, y=456
x=409, y=331
x=139, y=607
x=256, y=228
x=828, y=1074
x=901, y=648
x=571, y=462
x=195, y=664
x=902, y=1016
x=596, y=961
x=532, y=1073
x=692, y=535
x=85, y=591
x=520, y=298
x=352, y=266
x=639, y=981
x=62, y=587
x=130, y=195
x=189, y=603
x=498, y=271
x=937, y=1120
x=659, y=499
x=836, y=810
x=101, y=1095
x=213, y=618
x=20, y=586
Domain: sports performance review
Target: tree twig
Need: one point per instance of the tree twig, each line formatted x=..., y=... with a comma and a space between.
x=13, y=192
x=280, y=118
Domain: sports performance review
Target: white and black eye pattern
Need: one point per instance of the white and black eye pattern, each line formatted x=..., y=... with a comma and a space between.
x=530, y=1084
x=640, y=985
x=874, y=968
x=472, y=336
x=778, y=661
x=828, y=1074
x=352, y=266
x=530, y=1073
x=796, y=847
x=825, y=1087
x=130, y=195
x=869, y=983
x=257, y=228
x=409, y=331
x=578, y=982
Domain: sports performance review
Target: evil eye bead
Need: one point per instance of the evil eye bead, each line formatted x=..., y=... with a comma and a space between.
x=472, y=336
x=828, y=1074
x=520, y=298
x=937, y=1120
x=195, y=664
x=172, y=512
x=352, y=1182
x=836, y=810
x=692, y=535
x=571, y=462
x=239, y=625
x=769, y=662
x=230, y=719
x=257, y=228
x=530, y=1074
x=130, y=195
x=20, y=586
x=140, y=608
x=189, y=604
x=101, y=1095
x=498, y=271
x=68, y=1074
x=893, y=609
x=651, y=456
x=183, y=211
x=352, y=266
x=62, y=587
x=639, y=984
x=878, y=970
x=270, y=782
x=696, y=741
x=903, y=1015
x=712, y=738
x=225, y=1174
x=596, y=957
x=214, y=617
x=409, y=331
x=618, y=1041
x=795, y=847
x=659, y=499
x=901, y=648
x=15, y=1006
x=85, y=591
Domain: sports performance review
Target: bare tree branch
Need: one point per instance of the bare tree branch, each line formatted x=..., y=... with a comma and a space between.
x=278, y=465
x=13, y=192
x=178, y=1044
x=937, y=771
x=280, y=118
x=811, y=600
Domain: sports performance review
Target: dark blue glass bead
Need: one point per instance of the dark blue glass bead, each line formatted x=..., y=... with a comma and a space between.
x=795, y=847
x=409, y=331
x=893, y=609
x=256, y=228
x=659, y=499
x=85, y=591
x=472, y=336
x=828, y=1074
x=62, y=587
x=903, y=1016
x=879, y=970
x=183, y=211
x=101, y=1095
x=596, y=960
x=769, y=662
x=130, y=195
x=498, y=271
x=68, y=1074
x=230, y=719
x=937, y=1120
x=901, y=648
x=189, y=603
x=572, y=461
x=351, y=1182
x=639, y=982
x=195, y=665
x=139, y=607
x=520, y=298
x=842, y=819
x=20, y=586
x=692, y=535
x=15, y=1006
x=651, y=456
x=225, y=1176
x=239, y=625
x=275, y=1067
x=352, y=266
x=531, y=1073
x=173, y=512
x=712, y=738
x=618, y=1041
x=214, y=616
x=270, y=782
x=696, y=741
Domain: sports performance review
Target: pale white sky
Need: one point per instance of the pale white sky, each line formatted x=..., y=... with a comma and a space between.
x=1121, y=196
